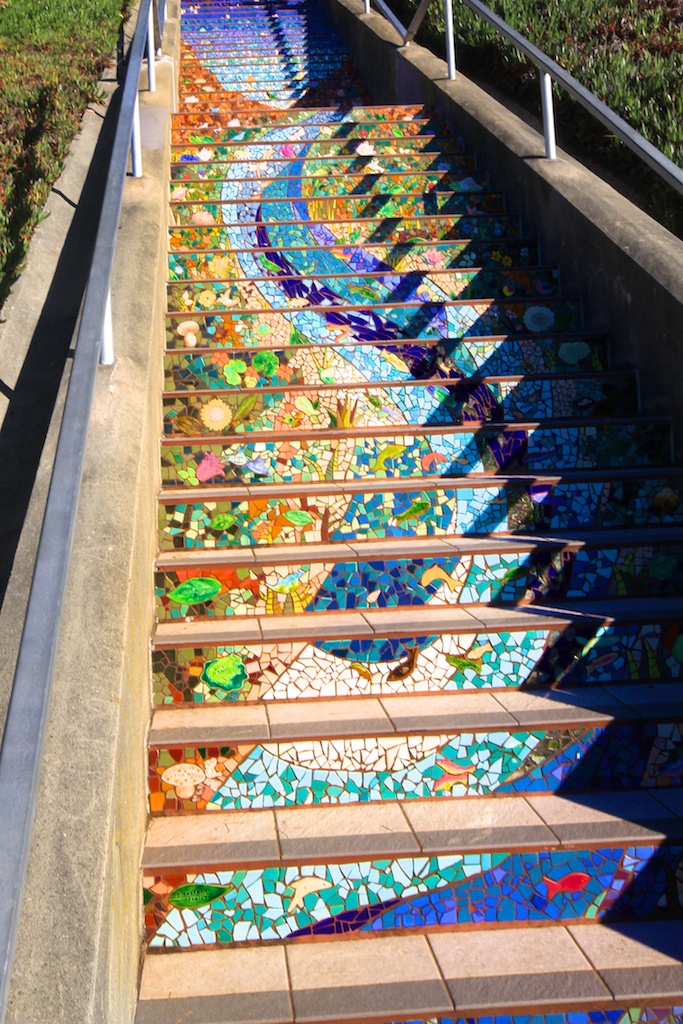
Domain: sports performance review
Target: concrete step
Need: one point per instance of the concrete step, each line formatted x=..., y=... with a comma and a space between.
x=346, y=454
x=375, y=508
x=436, y=747
x=271, y=270
x=510, y=652
x=207, y=233
x=509, y=258
x=193, y=169
x=425, y=977
x=367, y=404
x=428, y=574
x=413, y=360
x=424, y=865
x=418, y=134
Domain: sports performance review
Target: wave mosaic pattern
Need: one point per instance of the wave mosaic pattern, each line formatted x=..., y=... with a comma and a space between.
x=418, y=549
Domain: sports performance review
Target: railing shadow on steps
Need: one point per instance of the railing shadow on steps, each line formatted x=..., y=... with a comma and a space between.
x=549, y=71
x=27, y=716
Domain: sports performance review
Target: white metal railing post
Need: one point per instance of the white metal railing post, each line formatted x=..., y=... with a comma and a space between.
x=151, y=52
x=367, y=6
x=450, y=37
x=548, y=116
x=107, y=347
x=136, y=144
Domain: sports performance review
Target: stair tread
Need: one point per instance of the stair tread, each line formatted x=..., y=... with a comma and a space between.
x=343, y=831
x=404, y=714
x=418, y=547
x=423, y=976
x=401, y=622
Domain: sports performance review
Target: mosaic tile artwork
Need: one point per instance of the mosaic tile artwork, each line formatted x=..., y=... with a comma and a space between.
x=275, y=903
x=356, y=322
x=633, y=1015
x=453, y=452
x=418, y=359
x=443, y=663
x=410, y=404
x=375, y=258
x=388, y=512
x=207, y=233
x=334, y=771
x=510, y=577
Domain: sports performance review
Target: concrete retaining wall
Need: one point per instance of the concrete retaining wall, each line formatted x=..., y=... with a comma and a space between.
x=79, y=947
x=626, y=267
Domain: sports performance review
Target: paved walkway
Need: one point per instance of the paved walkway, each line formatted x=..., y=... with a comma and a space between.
x=416, y=750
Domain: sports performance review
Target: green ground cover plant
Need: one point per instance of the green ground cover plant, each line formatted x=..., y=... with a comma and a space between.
x=628, y=52
x=52, y=53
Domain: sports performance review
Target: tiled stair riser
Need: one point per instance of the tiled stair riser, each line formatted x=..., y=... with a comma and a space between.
x=344, y=288
x=460, y=165
x=509, y=577
x=335, y=318
x=364, y=182
x=374, y=259
x=422, y=132
x=452, y=452
x=574, y=656
x=480, y=764
x=431, y=510
x=208, y=233
x=439, y=891
x=414, y=359
x=416, y=405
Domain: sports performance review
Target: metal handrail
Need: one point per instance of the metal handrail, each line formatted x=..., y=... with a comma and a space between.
x=25, y=727
x=549, y=71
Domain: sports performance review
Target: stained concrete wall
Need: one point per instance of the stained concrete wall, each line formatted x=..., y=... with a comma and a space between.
x=79, y=946
x=626, y=266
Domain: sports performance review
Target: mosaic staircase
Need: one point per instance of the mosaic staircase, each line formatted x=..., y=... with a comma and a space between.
x=416, y=751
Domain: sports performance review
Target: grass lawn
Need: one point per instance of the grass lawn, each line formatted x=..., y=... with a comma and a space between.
x=628, y=52
x=51, y=55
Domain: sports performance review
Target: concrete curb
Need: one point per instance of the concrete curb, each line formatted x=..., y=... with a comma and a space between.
x=78, y=952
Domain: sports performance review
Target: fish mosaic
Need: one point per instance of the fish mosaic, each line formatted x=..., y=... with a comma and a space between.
x=466, y=890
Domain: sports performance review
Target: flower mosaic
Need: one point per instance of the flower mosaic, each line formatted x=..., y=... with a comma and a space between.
x=405, y=360
x=473, y=889
x=413, y=404
x=371, y=258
